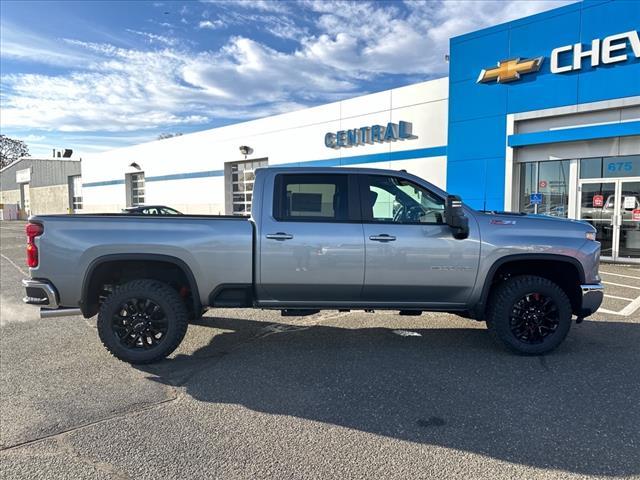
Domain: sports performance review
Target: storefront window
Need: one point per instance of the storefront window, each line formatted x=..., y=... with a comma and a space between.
x=551, y=180
x=610, y=167
x=528, y=182
x=553, y=183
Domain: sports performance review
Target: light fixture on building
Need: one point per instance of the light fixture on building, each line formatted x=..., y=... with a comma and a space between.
x=135, y=165
x=244, y=150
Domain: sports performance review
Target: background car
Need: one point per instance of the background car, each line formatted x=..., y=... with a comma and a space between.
x=151, y=210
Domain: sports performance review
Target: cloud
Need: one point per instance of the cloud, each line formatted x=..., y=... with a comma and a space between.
x=381, y=38
x=260, y=5
x=22, y=44
x=212, y=25
x=127, y=90
x=337, y=47
x=33, y=138
x=154, y=38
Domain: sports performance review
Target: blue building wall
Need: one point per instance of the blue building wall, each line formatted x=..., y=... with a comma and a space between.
x=477, y=111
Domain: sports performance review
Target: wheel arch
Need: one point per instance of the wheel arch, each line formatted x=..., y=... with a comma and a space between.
x=98, y=267
x=568, y=279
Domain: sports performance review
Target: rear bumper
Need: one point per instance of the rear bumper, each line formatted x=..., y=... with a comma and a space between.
x=592, y=296
x=40, y=293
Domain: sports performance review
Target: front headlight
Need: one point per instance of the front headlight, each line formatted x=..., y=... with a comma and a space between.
x=591, y=236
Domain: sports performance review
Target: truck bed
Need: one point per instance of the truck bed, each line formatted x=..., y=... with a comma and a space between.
x=217, y=249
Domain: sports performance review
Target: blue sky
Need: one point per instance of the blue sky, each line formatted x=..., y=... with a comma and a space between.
x=97, y=75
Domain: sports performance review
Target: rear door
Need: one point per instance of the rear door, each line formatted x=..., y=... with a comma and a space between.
x=312, y=246
x=411, y=255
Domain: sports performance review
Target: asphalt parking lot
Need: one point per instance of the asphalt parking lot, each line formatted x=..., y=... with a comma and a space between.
x=250, y=394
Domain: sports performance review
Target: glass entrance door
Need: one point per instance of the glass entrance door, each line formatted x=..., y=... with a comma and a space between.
x=629, y=220
x=597, y=201
x=613, y=208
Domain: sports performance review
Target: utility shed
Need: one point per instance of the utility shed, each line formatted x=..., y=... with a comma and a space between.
x=42, y=185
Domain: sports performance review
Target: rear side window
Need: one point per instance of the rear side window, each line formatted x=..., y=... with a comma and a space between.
x=311, y=198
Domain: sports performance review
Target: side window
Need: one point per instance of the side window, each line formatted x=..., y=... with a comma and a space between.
x=311, y=197
x=395, y=200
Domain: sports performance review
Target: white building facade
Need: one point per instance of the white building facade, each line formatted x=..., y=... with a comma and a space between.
x=211, y=172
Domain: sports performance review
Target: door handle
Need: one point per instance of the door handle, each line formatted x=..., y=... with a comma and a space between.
x=281, y=236
x=383, y=237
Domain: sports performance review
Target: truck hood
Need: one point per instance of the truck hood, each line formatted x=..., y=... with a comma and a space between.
x=529, y=220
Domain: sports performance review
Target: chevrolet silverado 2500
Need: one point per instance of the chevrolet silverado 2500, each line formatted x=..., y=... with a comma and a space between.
x=317, y=238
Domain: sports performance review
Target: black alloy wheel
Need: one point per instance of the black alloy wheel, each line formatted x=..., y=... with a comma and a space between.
x=528, y=314
x=534, y=317
x=140, y=323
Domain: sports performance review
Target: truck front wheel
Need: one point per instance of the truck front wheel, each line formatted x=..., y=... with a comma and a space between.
x=530, y=315
x=142, y=321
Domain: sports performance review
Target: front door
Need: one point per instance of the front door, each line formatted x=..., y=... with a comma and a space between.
x=629, y=220
x=411, y=255
x=26, y=199
x=613, y=208
x=312, y=247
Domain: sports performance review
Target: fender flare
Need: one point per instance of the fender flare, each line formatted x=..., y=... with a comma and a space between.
x=488, y=280
x=118, y=257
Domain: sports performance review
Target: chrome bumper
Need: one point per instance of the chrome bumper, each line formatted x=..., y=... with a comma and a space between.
x=40, y=293
x=592, y=296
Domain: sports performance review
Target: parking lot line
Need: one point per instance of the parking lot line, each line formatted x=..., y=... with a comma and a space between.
x=621, y=285
x=618, y=298
x=14, y=264
x=626, y=311
x=620, y=275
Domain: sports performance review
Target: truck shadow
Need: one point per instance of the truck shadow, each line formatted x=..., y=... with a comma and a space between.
x=575, y=410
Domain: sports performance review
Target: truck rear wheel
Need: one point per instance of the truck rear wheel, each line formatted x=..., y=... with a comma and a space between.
x=142, y=321
x=530, y=315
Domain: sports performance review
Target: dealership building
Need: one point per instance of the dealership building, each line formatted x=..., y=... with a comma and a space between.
x=540, y=115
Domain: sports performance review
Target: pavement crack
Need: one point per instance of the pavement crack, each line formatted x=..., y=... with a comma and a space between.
x=122, y=414
x=65, y=445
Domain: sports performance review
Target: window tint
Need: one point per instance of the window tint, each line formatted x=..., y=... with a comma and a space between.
x=395, y=200
x=312, y=197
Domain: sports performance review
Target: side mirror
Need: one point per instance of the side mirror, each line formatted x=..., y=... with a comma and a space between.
x=455, y=218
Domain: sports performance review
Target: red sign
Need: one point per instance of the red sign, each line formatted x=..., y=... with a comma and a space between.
x=635, y=215
x=598, y=200
x=542, y=184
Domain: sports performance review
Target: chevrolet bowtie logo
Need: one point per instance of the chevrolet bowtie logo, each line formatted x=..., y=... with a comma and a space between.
x=510, y=70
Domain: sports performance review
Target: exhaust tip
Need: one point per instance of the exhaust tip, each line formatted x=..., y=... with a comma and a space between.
x=59, y=312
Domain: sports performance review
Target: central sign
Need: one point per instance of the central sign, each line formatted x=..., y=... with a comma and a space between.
x=369, y=135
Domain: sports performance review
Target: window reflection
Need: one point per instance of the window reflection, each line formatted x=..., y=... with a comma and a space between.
x=551, y=179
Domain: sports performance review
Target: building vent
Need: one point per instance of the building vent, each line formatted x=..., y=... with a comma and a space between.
x=66, y=153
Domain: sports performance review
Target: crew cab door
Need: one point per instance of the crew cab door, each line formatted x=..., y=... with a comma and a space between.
x=411, y=254
x=311, y=247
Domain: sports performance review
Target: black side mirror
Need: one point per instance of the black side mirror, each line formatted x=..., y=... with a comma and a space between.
x=455, y=218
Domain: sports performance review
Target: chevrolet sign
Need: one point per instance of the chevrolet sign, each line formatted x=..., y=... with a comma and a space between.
x=510, y=70
x=611, y=49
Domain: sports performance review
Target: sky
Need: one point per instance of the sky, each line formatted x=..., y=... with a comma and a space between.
x=98, y=75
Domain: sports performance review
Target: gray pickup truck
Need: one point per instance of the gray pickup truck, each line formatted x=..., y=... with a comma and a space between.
x=317, y=238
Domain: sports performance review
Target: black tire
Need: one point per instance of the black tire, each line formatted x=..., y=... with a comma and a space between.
x=142, y=321
x=530, y=315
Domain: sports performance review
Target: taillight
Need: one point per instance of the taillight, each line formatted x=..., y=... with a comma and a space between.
x=33, y=230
